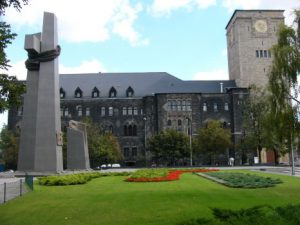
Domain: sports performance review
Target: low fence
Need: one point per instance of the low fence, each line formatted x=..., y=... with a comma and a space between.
x=11, y=190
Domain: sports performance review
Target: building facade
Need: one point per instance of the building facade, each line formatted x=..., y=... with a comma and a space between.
x=135, y=106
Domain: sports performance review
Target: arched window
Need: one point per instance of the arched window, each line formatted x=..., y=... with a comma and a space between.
x=129, y=92
x=79, y=110
x=130, y=130
x=112, y=92
x=87, y=111
x=78, y=93
x=62, y=93
x=125, y=130
x=110, y=111
x=102, y=111
x=134, y=130
x=66, y=112
x=179, y=122
x=95, y=93
x=204, y=107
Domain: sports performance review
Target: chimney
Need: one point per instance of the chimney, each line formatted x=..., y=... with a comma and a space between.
x=221, y=87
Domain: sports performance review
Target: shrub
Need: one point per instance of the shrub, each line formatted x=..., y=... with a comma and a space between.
x=73, y=179
x=258, y=215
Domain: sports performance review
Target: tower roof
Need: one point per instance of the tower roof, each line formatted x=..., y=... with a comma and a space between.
x=253, y=10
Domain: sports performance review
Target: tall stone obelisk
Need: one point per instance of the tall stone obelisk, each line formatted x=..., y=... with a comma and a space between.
x=41, y=143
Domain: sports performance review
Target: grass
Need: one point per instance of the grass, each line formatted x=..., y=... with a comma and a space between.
x=110, y=200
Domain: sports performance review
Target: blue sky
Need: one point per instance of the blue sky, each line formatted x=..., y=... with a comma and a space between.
x=185, y=38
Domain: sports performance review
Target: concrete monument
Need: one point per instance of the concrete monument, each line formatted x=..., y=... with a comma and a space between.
x=77, y=148
x=41, y=139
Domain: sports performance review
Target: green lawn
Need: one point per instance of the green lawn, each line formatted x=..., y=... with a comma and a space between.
x=111, y=201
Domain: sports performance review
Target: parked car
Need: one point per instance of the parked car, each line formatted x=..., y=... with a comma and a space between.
x=116, y=165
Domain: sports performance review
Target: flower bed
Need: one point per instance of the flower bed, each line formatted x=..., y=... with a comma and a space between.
x=243, y=180
x=172, y=175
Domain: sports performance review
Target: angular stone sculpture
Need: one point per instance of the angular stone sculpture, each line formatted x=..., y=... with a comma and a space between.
x=41, y=139
x=77, y=148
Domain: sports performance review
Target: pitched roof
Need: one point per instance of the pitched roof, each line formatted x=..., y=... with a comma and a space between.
x=142, y=83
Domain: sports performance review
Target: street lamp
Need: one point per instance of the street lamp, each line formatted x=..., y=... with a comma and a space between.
x=189, y=128
x=145, y=138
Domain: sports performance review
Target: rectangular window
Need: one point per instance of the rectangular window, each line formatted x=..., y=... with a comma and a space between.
x=204, y=107
x=226, y=107
x=124, y=111
x=135, y=111
x=110, y=111
x=61, y=112
x=102, y=111
x=269, y=54
x=142, y=112
x=265, y=54
x=173, y=105
x=178, y=105
x=261, y=53
x=129, y=112
x=215, y=107
x=188, y=106
x=183, y=105
x=257, y=54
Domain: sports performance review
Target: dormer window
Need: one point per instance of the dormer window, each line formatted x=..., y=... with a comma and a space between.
x=95, y=93
x=62, y=93
x=112, y=92
x=129, y=92
x=78, y=93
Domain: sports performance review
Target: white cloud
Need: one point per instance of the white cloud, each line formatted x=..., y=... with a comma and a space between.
x=165, y=7
x=91, y=21
x=92, y=66
x=219, y=74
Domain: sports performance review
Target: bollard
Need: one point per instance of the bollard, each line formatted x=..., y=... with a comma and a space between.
x=20, y=187
x=4, y=197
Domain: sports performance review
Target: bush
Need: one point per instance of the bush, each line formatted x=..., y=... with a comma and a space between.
x=150, y=173
x=258, y=215
x=242, y=180
x=73, y=179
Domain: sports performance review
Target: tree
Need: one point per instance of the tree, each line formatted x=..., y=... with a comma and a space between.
x=169, y=147
x=10, y=89
x=103, y=147
x=255, y=109
x=283, y=85
x=212, y=140
x=9, y=145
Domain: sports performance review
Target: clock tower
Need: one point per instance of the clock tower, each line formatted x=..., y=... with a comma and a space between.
x=250, y=36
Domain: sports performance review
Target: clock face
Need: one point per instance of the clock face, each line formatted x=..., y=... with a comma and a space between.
x=261, y=26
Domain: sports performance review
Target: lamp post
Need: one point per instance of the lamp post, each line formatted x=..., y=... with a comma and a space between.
x=145, y=138
x=189, y=128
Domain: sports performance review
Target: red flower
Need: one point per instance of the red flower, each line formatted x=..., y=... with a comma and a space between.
x=172, y=175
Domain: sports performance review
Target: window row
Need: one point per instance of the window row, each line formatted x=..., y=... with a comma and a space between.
x=104, y=111
x=179, y=105
x=78, y=93
x=263, y=54
x=130, y=152
x=215, y=107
